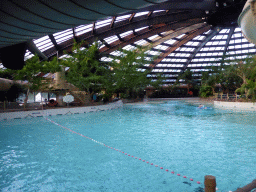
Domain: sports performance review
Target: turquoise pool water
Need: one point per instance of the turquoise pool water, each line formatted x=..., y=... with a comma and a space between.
x=38, y=155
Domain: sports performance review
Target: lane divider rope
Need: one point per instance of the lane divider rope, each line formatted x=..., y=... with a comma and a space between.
x=70, y=130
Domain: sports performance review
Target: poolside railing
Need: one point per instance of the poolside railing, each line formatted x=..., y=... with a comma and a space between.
x=231, y=97
x=248, y=188
x=210, y=185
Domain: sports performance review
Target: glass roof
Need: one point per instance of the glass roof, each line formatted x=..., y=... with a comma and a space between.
x=207, y=49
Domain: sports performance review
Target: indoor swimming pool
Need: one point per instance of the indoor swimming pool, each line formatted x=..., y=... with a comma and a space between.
x=165, y=146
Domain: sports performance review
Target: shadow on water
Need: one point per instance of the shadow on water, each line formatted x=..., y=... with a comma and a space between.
x=199, y=189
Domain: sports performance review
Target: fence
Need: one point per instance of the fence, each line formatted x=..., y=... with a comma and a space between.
x=228, y=97
x=210, y=185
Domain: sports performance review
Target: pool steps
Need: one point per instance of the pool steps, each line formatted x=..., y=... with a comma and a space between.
x=59, y=111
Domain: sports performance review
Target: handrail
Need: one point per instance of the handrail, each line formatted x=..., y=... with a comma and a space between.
x=248, y=187
x=210, y=185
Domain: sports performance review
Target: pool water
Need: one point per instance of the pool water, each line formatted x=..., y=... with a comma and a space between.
x=38, y=155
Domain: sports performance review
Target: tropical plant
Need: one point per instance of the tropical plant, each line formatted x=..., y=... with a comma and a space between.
x=86, y=70
x=129, y=75
x=30, y=73
x=187, y=76
x=205, y=91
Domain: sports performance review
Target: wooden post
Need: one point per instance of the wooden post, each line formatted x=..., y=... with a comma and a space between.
x=209, y=183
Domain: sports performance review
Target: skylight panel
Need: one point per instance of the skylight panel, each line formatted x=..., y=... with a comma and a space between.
x=222, y=41
x=156, y=11
x=28, y=55
x=207, y=32
x=43, y=43
x=139, y=29
x=140, y=42
x=180, y=36
x=236, y=35
x=166, y=60
x=63, y=36
x=103, y=23
x=101, y=46
x=192, y=43
x=221, y=37
x=238, y=30
x=170, y=42
x=41, y=40
x=116, y=53
x=122, y=35
x=231, y=47
x=159, y=65
x=64, y=56
x=153, y=37
x=111, y=39
x=161, y=47
x=128, y=47
x=199, y=37
x=153, y=52
x=141, y=13
x=224, y=31
x=107, y=59
x=205, y=49
x=238, y=41
x=121, y=18
x=252, y=50
x=83, y=29
x=232, y=41
x=187, y=49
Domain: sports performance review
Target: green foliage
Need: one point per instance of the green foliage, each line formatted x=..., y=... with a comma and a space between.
x=86, y=71
x=127, y=73
x=237, y=75
x=124, y=96
x=187, y=76
x=157, y=84
x=205, y=91
x=31, y=70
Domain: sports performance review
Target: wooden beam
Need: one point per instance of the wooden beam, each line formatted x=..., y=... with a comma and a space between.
x=150, y=13
x=177, y=33
x=93, y=28
x=182, y=41
x=179, y=19
x=33, y=49
x=131, y=17
x=53, y=40
x=145, y=33
x=214, y=32
x=112, y=22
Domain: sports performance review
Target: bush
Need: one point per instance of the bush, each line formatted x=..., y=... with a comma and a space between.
x=205, y=91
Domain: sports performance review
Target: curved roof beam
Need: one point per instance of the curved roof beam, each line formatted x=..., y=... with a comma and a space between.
x=183, y=4
x=232, y=29
x=179, y=43
x=145, y=33
x=33, y=49
x=209, y=36
x=125, y=25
